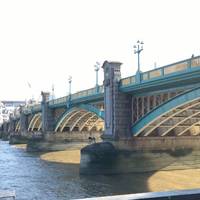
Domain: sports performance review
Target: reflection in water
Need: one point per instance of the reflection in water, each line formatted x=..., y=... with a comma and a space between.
x=33, y=178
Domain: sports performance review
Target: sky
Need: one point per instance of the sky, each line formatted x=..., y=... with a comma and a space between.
x=43, y=42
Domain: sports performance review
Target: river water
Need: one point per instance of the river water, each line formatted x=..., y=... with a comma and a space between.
x=33, y=178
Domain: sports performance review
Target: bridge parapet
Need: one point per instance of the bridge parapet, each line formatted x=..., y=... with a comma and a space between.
x=87, y=92
x=62, y=101
x=31, y=109
x=59, y=101
x=165, y=71
x=76, y=96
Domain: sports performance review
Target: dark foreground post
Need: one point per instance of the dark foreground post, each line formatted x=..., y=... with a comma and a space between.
x=7, y=195
x=172, y=195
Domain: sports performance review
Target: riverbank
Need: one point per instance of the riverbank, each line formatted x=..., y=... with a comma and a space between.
x=69, y=156
x=66, y=157
x=176, y=179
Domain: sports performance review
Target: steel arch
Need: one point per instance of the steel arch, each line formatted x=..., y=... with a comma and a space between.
x=33, y=121
x=176, y=102
x=83, y=107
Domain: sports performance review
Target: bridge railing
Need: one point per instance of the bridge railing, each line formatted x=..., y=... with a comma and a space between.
x=61, y=100
x=178, y=67
x=88, y=92
x=31, y=108
x=128, y=80
x=78, y=95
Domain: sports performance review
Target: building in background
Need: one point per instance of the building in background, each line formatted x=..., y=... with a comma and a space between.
x=8, y=108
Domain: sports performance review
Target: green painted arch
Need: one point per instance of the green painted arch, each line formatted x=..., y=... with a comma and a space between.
x=17, y=127
x=86, y=107
x=37, y=123
x=33, y=121
x=92, y=109
x=164, y=108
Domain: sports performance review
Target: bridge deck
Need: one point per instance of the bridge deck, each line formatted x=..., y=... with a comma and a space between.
x=185, y=72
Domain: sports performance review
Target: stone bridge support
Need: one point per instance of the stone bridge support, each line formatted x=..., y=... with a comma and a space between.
x=12, y=125
x=4, y=131
x=45, y=142
x=23, y=122
x=20, y=137
x=48, y=120
x=100, y=157
x=117, y=104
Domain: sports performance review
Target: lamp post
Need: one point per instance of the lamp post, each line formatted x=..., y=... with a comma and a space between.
x=96, y=68
x=69, y=97
x=70, y=84
x=53, y=95
x=138, y=49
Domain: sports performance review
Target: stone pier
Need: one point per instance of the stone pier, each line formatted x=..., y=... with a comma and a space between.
x=117, y=104
x=4, y=132
x=61, y=141
x=141, y=155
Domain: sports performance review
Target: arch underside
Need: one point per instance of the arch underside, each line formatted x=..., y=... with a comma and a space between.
x=17, y=127
x=35, y=123
x=79, y=119
x=181, y=120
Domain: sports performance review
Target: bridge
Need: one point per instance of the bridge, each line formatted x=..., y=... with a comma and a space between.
x=160, y=103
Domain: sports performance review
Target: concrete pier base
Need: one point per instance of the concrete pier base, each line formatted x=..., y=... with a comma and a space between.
x=61, y=141
x=4, y=136
x=18, y=139
x=141, y=155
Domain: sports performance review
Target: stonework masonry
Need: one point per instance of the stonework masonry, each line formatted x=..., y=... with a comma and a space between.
x=117, y=104
x=47, y=114
x=23, y=121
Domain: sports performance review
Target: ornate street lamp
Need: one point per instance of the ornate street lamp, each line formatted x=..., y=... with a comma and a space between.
x=70, y=84
x=137, y=50
x=69, y=96
x=53, y=95
x=96, y=68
